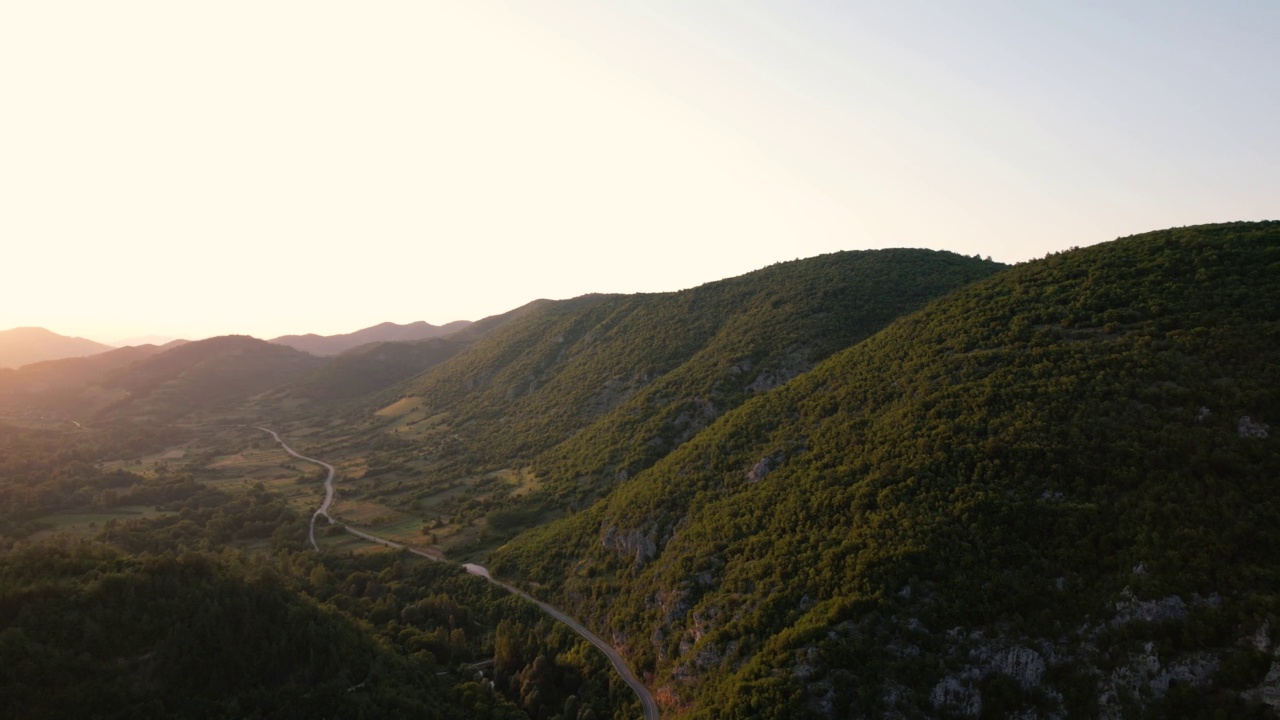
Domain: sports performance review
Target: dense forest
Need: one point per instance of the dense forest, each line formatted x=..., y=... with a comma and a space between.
x=1053, y=492
x=897, y=483
x=216, y=608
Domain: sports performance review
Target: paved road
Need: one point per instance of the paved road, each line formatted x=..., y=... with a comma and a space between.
x=646, y=698
x=647, y=701
x=328, y=485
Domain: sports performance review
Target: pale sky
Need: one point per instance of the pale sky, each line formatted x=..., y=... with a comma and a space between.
x=269, y=167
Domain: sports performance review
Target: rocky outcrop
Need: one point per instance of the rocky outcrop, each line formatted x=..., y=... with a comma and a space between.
x=1145, y=676
x=1020, y=663
x=956, y=695
x=1129, y=608
x=642, y=546
x=763, y=468
x=792, y=364
x=1248, y=428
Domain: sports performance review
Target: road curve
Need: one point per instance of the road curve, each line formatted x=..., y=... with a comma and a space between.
x=328, y=484
x=647, y=702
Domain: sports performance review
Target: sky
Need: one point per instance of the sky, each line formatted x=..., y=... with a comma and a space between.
x=271, y=167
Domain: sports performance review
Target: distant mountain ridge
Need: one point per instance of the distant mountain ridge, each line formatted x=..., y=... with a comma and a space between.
x=26, y=345
x=383, y=332
x=206, y=373
x=61, y=383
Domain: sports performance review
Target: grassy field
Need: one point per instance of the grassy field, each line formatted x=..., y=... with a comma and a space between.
x=401, y=407
x=80, y=524
x=378, y=493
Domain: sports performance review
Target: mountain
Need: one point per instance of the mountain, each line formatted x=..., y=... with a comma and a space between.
x=622, y=379
x=1051, y=493
x=896, y=483
x=147, y=340
x=372, y=367
x=214, y=373
x=26, y=345
x=384, y=332
x=61, y=385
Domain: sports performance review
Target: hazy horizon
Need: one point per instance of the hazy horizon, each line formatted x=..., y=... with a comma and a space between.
x=288, y=168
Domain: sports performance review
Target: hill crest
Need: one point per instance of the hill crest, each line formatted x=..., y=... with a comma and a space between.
x=26, y=345
x=383, y=332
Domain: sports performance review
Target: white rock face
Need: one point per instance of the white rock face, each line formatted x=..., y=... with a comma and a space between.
x=1145, y=676
x=1269, y=691
x=1250, y=429
x=762, y=468
x=959, y=696
x=1130, y=608
x=643, y=546
x=1022, y=664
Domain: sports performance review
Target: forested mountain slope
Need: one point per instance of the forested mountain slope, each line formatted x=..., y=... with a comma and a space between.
x=201, y=375
x=633, y=376
x=59, y=384
x=370, y=368
x=1054, y=492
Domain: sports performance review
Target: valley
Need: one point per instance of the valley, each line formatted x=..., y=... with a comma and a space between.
x=897, y=483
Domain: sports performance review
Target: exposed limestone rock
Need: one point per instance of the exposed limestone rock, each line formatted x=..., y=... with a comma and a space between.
x=1020, y=663
x=959, y=696
x=1269, y=691
x=1250, y=429
x=1262, y=638
x=698, y=413
x=795, y=363
x=823, y=701
x=763, y=468
x=643, y=546
x=1129, y=608
x=1145, y=676
x=806, y=663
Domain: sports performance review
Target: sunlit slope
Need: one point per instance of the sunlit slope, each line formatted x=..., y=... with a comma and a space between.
x=638, y=374
x=1054, y=491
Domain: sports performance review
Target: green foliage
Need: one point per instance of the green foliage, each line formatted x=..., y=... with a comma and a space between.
x=187, y=636
x=202, y=375
x=45, y=471
x=371, y=368
x=599, y=387
x=1001, y=462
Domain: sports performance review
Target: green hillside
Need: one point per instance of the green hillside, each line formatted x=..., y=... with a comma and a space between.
x=601, y=386
x=60, y=385
x=1052, y=493
x=371, y=368
x=154, y=383
x=203, y=375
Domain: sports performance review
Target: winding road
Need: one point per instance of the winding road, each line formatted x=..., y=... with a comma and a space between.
x=647, y=701
x=646, y=698
x=328, y=485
